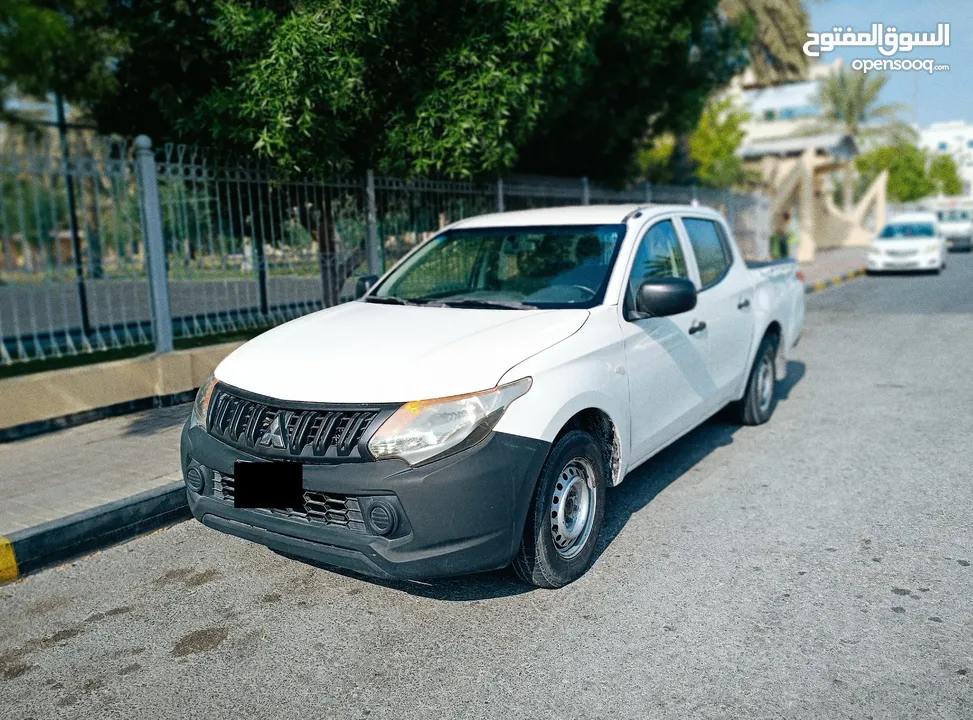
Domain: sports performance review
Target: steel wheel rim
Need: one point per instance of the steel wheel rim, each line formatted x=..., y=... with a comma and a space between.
x=765, y=383
x=572, y=507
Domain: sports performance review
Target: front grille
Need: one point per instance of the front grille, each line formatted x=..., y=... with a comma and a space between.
x=902, y=253
x=315, y=434
x=325, y=508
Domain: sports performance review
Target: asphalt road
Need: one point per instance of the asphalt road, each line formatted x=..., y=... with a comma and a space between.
x=816, y=567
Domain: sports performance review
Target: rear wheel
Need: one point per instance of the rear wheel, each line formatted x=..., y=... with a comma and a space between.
x=759, y=400
x=558, y=544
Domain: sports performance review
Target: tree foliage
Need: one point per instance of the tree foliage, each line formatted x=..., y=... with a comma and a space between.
x=65, y=49
x=849, y=104
x=714, y=143
x=906, y=163
x=463, y=88
x=712, y=147
x=945, y=176
x=779, y=31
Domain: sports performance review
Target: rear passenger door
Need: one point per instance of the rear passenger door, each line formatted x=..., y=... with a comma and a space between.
x=725, y=304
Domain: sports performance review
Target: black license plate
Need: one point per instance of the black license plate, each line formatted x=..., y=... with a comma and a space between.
x=277, y=485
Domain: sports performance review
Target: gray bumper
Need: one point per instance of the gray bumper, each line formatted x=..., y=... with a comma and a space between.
x=459, y=515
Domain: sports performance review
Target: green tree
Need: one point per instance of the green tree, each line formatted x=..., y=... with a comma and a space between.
x=906, y=163
x=654, y=65
x=434, y=87
x=170, y=62
x=779, y=31
x=64, y=48
x=654, y=159
x=712, y=149
x=714, y=143
x=849, y=103
x=462, y=87
x=945, y=176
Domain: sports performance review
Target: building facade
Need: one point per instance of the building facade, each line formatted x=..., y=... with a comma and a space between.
x=956, y=140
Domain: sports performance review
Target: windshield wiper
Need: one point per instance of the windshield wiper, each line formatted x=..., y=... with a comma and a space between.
x=476, y=302
x=390, y=300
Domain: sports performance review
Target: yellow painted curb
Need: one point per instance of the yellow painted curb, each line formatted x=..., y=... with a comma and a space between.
x=836, y=279
x=8, y=563
x=820, y=285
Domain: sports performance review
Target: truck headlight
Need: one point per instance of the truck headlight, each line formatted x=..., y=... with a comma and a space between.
x=421, y=431
x=201, y=404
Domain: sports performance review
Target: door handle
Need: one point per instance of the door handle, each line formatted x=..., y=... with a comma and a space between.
x=745, y=303
x=696, y=327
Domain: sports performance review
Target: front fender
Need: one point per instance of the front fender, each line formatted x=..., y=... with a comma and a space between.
x=566, y=381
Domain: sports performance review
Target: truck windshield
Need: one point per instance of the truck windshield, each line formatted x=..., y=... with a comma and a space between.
x=953, y=216
x=544, y=267
x=905, y=231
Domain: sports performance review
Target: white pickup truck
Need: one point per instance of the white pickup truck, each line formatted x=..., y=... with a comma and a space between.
x=471, y=408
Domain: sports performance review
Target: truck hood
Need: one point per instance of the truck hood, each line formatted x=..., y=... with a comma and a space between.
x=371, y=353
x=956, y=229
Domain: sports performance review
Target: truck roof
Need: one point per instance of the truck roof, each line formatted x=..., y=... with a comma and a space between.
x=571, y=215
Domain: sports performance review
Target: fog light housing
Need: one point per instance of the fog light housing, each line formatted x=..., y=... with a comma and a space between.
x=383, y=518
x=194, y=477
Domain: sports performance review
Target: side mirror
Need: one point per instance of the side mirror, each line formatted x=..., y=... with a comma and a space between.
x=364, y=284
x=665, y=296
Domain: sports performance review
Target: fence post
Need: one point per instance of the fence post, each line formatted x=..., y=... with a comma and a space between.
x=500, y=195
x=372, y=249
x=648, y=191
x=86, y=328
x=585, y=192
x=147, y=180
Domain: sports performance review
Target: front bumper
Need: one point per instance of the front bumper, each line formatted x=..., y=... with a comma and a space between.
x=458, y=515
x=960, y=243
x=893, y=264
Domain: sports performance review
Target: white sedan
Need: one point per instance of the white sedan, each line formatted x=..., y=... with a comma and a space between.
x=910, y=242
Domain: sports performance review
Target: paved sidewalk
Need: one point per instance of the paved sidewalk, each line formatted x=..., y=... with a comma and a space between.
x=829, y=264
x=49, y=477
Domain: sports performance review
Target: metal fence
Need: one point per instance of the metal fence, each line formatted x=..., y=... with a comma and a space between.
x=110, y=244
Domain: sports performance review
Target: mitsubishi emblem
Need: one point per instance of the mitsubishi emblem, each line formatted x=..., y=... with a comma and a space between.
x=276, y=434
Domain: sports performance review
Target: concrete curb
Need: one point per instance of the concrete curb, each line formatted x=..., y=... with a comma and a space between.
x=42, y=427
x=830, y=282
x=50, y=543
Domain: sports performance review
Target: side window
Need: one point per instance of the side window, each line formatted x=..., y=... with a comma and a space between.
x=712, y=253
x=658, y=256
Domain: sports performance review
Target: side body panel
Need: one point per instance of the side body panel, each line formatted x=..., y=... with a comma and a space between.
x=587, y=370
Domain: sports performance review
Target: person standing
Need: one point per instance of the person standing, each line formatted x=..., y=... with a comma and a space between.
x=782, y=238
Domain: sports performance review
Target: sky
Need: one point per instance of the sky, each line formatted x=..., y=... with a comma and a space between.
x=942, y=96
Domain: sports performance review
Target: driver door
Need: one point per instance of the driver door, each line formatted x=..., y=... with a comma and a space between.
x=666, y=358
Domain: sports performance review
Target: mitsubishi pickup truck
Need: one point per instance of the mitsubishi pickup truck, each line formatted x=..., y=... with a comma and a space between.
x=470, y=409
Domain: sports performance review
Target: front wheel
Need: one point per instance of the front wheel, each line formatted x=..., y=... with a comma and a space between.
x=758, y=402
x=558, y=544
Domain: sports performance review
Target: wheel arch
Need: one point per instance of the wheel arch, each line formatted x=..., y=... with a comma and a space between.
x=599, y=424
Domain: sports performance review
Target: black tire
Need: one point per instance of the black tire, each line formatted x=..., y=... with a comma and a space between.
x=538, y=562
x=753, y=409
